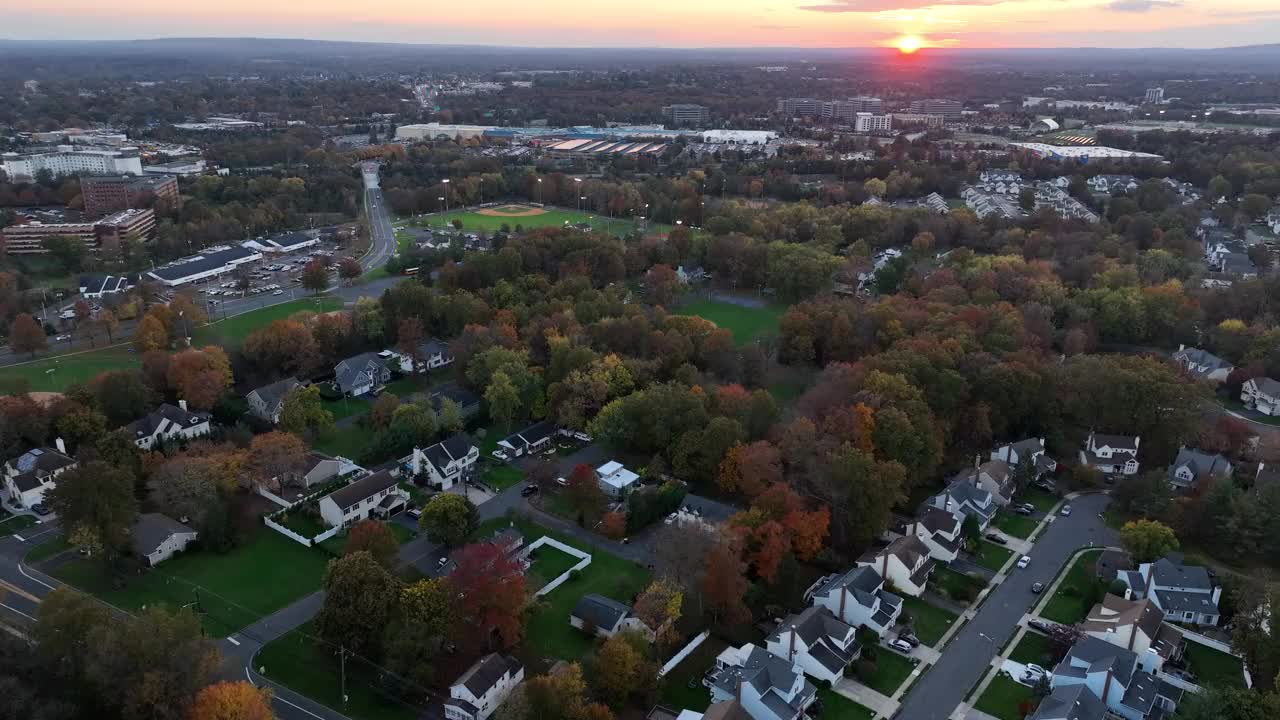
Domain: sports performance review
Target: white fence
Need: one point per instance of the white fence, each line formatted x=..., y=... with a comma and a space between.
x=298, y=538
x=684, y=652
x=273, y=497
x=1218, y=645
x=585, y=560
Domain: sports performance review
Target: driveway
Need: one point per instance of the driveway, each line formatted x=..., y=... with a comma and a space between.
x=968, y=656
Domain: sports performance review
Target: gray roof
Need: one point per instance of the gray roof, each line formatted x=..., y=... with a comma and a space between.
x=768, y=675
x=147, y=425
x=1124, y=443
x=202, y=263
x=1199, y=463
x=1238, y=264
x=486, y=672
x=1092, y=655
x=1170, y=572
x=819, y=629
x=347, y=373
x=365, y=487
x=1267, y=386
x=861, y=582
x=600, y=611
x=433, y=347
x=1070, y=702
x=532, y=434
x=937, y=520
x=152, y=529
x=272, y=395
x=42, y=460
x=1198, y=357
x=448, y=450
x=451, y=391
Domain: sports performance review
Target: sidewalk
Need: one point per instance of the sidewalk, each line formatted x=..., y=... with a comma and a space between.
x=882, y=706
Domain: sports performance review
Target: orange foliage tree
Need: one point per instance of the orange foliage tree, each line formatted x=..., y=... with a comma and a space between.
x=232, y=701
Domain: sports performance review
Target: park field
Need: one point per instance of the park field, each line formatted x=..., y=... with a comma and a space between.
x=473, y=221
x=746, y=323
x=233, y=330
x=54, y=374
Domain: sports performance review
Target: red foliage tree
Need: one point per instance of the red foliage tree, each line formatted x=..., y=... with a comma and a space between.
x=374, y=538
x=490, y=586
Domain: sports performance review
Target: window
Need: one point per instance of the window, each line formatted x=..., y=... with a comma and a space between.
x=1189, y=615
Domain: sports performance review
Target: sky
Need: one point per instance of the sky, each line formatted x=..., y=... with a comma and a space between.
x=665, y=23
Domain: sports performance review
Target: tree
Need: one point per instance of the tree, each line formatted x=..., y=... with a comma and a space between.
x=150, y=335
x=98, y=498
x=200, y=376
x=375, y=538
x=584, y=493
x=274, y=457
x=360, y=597
x=349, y=269
x=81, y=425
x=613, y=525
x=663, y=284
x=1148, y=540
x=1220, y=702
x=366, y=319
x=658, y=607
x=448, y=519
x=26, y=335
x=751, y=468
x=232, y=701
x=725, y=583
x=450, y=416
x=491, y=585
x=562, y=695
x=503, y=399
x=419, y=629
x=185, y=486
x=315, y=277
x=616, y=669
x=302, y=412
x=409, y=338
x=109, y=323
x=285, y=346
x=680, y=554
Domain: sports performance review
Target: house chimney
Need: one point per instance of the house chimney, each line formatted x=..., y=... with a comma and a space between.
x=843, y=593
x=738, y=695
x=884, y=565
x=62, y=446
x=182, y=404
x=791, y=651
x=1106, y=688
x=1181, y=347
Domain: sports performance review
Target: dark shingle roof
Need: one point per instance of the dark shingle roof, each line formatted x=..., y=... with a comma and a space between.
x=274, y=393
x=152, y=529
x=44, y=460
x=600, y=611
x=486, y=672
x=532, y=434
x=147, y=425
x=361, y=489
x=1070, y=702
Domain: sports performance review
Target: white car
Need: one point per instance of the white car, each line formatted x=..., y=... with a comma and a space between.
x=500, y=455
x=278, y=292
x=565, y=483
x=1024, y=561
x=901, y=646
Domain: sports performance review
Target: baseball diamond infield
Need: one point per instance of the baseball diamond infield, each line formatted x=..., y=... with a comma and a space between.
x=511, y=211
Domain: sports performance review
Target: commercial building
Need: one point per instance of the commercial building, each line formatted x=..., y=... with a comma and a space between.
x=846, y=110
x=865, y=122
x=739, y=137
x=1083, y=153
x=210, y=263
x=219, y=123
x=686, y=114
x=800, y=107
x=110, y=193
x=1154, y=96
x=73, y=160
x=181, y=166
x=949, y=109
x=431, y=131
x=28, y=239
x=585, y=149
x=913, y=119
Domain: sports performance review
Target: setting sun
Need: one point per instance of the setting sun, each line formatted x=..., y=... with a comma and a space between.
x=907, y=44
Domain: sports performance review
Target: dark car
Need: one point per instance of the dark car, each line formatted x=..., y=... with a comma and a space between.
x=1037, y=588
x=1043, y=626
x=1024, y=509
x=40, y=509
x=528, y=490
x=996, y=538
x=909, y=639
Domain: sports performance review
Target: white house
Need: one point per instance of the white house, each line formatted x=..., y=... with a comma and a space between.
x=319, y=469
x=616, y=480
x=433, y=354
x=267, y=401
x=1261, y=394
x=529, y=440
x=994, y=476
x=168, y=422
x=359, y=375
x=816, y=641
x=939, y=530
x=1111, y=454
x=605, y=617
x=375, y=495
x=1203, y=364
x=446, y=462
x=1135, y=625
x=858, y=598
x=482, y=688
x=963, y=498
x=1113, y=183
x=905, y=562
x=1027, y=450
x=156, y=537
x=766, y=686
x=1192, y=464
x=28, y=476
x=1070, y=702
x=1184, y=593
x=1116, y=676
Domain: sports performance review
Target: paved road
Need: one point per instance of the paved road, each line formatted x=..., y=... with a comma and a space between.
x=382, y=236
x=968, y=656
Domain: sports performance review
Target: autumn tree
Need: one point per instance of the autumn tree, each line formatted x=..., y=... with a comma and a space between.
x=360, y=597
x=662, y=284
x=150, y=335
x=418, y=630
x=349, y=269
x=375, y=538
x=614, y=525
x=618, y=667
x=584, y=493
x=96, y=499
x=658, y=607
x=303, y=412
x=503, y=399
x=750, y=468
x=1148, y=540
x=493, y=585
x=562, y=695
x=232, y=701
x=724, y=583
x=315, y=277
x=448, y=519
x=26, y=335
x=109, y=323
x=274, y=457
x=409, y=337
x=285, y=346
x=680, y=555
x=450, y=417
x=200, y=376
x=186, y=486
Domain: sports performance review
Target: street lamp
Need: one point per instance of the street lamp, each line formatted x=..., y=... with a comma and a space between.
x=439, y=202
x=539, y=191
x=481, y=191
x=578, y=184
x=581, y=199
x=445, y=182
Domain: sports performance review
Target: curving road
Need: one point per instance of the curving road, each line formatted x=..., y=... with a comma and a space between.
x=968, y=656
x=381, y=235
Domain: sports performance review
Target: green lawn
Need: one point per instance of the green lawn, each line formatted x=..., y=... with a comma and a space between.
x=955, y=585
x=553, y=217
x=1015, y=525
x=549, y=564
x=892, y=670
x=349, y=442
x=46, y=550
x=337, y=543
x=234, y=589
x=311, y=667
x=345, y=407
x=1043, y=501
x=1214, y=667
x=16, y=523
x=233, y=330
x=838, y=707
x=68, y=369
x=302, y=523
x=1234, y=403
x=929, y=622
x=1033, y=648
x=745, y=323
x=1004, y=698
x=1079, y=592
x=408, y=385
x=676, y=693
x=991, y=555
x=501, y=477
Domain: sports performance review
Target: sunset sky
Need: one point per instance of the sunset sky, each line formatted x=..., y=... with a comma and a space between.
x=667, y=23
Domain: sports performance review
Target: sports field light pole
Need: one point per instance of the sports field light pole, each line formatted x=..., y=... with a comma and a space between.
x=539, y=191
x=578, y=187
x=445, y=182
x=439, y=203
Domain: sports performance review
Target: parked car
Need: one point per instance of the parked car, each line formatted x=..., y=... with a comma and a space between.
x=1065, y=511
x=1034, y=668
x=908, y=638
x=1181, y=674
x=62, y=338
x=562, y=482
x=40, y=509
x=528, y=490
x=443, y=561
x=500, y=455
x=996, y=538
x=1037, y=588
x=278, y=292
x=901, y=646
x=1026, y=508
x=1043, y=626
x=1024, y=561
x=414, y=513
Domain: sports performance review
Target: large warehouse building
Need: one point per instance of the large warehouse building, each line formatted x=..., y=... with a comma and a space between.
x=210, y=263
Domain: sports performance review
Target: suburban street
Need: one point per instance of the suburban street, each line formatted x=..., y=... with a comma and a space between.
x=968, y=656
x=382, y=236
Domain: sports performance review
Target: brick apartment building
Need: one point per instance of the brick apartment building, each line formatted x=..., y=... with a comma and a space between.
x=105, y=194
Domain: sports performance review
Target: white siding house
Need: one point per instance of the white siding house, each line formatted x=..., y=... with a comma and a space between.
x=1261, y=394
x=482, y=688
x=373, y=495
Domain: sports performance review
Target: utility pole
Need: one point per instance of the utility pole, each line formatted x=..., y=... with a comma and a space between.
x=342, y=661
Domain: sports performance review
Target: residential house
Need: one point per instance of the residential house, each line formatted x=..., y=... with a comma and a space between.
x=963, y=498
x=373, y=495
x=994, y=476
x=433, y=354
x=1070, y=702
x=1192, y=464
x=723, y=710
x=267, y=401
x=691, y=274
x=447, y=462
x=166, y=423
x=1184, y=593
x=817, y=642
x=939, y=530
x=1202, y=364
x=529, y=440
x=858, y=598
x=483, y=687
x=1028, y=450
x=1137, y=626
x=28, y=476
x=509, y=540
x=905, y=563
x=604, y=617
x=1261, y=394
x=1111, y=454
x=1116, y=677
x=1273, y=219
x=468, y=402
x=765, y=685
x=1109, y=184
x=359, y=375
x=318, y=469
x=156, y=538
x=615, y=480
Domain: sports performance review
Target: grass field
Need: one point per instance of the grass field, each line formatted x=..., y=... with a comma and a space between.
x=929, y=622
x=349, y=442
x=553, y=217
x=1079, y=591
x=1033, y=648
x=1043, y=501
x=345, y=407
x=1004, y=698
x=745, y=323
x=1014, y=525
x=501, y=477
x=955, y=585
x=992, y=556
x=68, y=369
x=234, y=589
x=892, y=670
x=548, y=564
x=1214, y=667
x=233, y=330
x=676, y=692
x=16, y=523
x=838, y=707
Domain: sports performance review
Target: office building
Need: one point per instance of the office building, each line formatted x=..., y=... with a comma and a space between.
x=845, y=111
x=104, y=194
x=924, y=120
x=72, y=160
x=1155, y=96
x=739, y=137
x=800, y=107
x=949, y=109
x=686, y=114
x=181, y=166
x=865, y=122
x=432, y=131
x=114, y=229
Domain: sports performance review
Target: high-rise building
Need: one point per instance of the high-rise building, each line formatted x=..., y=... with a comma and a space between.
x=73, y=160
x=846, y=111
x=1155, y=95
x=110, y=193
x=949, y=109
x=918, y=120
x=800, y=107
x=686, y=114
x=866, y=122
x=115, y=229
